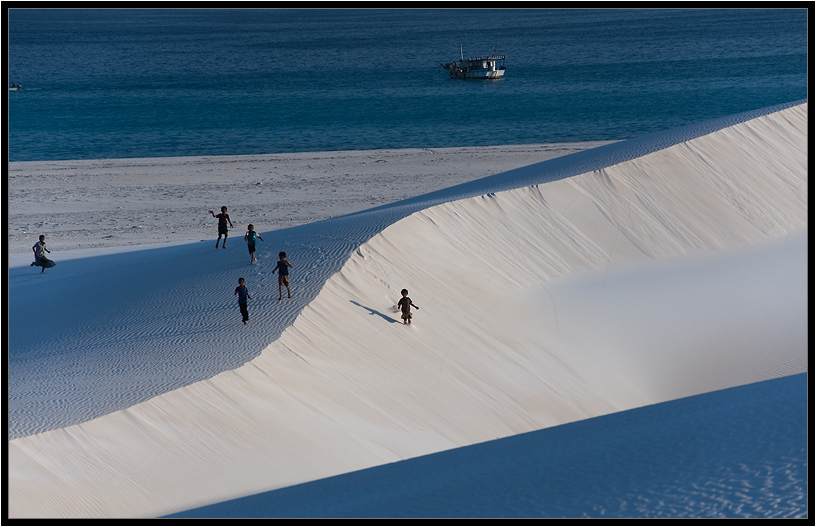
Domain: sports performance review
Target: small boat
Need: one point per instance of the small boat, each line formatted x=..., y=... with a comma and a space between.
x=491, y=67
x=15, y=87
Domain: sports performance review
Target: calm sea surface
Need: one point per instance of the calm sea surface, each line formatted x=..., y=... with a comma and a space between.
x=148, y=83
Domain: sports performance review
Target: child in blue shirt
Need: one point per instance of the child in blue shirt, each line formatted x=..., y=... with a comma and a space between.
x=249, y=237
x=243, y=294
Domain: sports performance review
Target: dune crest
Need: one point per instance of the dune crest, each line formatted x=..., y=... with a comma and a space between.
x=505, y=283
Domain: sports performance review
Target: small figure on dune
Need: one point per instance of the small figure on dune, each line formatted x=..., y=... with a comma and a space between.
x=39, y=255
x=249, y=237
x=283, y=275
x=243, y=295
x=223, y=218
x=405, y=305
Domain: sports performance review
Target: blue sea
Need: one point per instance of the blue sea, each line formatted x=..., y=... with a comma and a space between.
x=116, y=83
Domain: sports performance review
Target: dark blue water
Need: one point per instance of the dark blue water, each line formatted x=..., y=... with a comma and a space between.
x=147, y=83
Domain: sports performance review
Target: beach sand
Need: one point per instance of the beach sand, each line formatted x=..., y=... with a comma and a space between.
x=104, y=203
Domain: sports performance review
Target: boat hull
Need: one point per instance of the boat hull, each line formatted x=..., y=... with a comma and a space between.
x=478, y=68
x=497, y=74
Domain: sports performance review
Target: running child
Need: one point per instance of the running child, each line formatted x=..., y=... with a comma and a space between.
x=223, y=218
x=283, y=275
x=405, y=305
x=39, y=255
x=249, y=237
x=243, y=294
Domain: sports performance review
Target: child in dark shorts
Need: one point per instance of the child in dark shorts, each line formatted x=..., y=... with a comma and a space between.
x=249, y=237
x=243, y=295
x=405, y=305
x=223, y=218
x=39, y=254
x=283, y=275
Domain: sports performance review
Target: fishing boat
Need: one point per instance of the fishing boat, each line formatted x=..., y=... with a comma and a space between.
x=490, y=67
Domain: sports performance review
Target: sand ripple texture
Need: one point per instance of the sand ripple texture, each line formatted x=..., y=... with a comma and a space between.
x=170, y=327
x=330, y=382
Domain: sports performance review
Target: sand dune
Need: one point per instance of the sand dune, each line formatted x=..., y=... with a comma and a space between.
x=735, y=453
x=634, y=283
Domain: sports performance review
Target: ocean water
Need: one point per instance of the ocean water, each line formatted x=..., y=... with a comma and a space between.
x=116, y=83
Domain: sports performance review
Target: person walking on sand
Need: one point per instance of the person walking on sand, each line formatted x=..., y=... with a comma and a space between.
x=243, y=295
x=223, y=218
x=249, y=237
x=283, y=275
x=39, y=255
x=405, y=305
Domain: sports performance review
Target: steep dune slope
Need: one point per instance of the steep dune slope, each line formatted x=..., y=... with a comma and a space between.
x=504, y=281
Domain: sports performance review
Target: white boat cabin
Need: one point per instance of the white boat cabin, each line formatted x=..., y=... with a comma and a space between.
x=491, y=67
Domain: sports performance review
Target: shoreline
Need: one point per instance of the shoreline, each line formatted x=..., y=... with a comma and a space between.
x=108, y=203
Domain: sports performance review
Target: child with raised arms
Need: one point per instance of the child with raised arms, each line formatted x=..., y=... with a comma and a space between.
x=223, y=218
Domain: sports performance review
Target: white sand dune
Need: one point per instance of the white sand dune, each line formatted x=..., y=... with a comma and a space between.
x=734, y=453
x=679, y=267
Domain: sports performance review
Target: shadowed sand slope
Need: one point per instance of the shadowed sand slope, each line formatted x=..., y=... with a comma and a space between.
x=735, y=453
x=672, y=274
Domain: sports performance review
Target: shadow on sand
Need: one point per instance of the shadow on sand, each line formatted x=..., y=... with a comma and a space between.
x=375, y=312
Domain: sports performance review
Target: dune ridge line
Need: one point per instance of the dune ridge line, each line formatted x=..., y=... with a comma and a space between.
x=494, y=350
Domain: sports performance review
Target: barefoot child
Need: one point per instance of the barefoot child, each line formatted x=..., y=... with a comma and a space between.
x=223, y=218
x=39, y=254
x=249, y=237
x=405, y=304
x=283, y=275
x=243, y=294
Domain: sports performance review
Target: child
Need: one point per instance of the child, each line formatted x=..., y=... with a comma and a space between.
x=283, y=275
x=243, y=294
x=405, y=304
x=223, y=218
x=249, y=237
x=39, y=254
